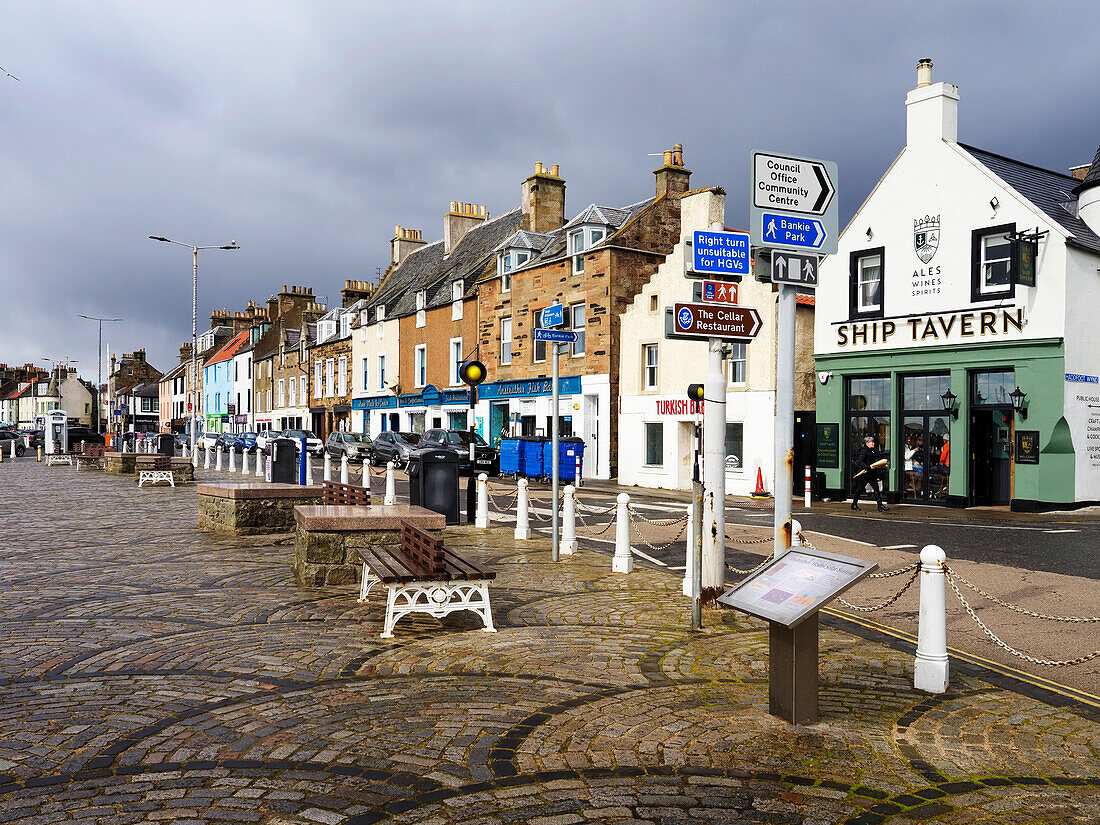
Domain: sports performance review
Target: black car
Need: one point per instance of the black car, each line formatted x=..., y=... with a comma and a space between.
x=486, y=458
x=86, y=434
x=6, y=439
x=356, y=446
x=393, y=446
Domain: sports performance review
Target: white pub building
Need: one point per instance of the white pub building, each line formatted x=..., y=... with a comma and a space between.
x=957, y=324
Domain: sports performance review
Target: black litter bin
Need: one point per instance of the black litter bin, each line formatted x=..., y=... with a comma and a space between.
x=166, y=444
x=284, y=461
x=433, y=482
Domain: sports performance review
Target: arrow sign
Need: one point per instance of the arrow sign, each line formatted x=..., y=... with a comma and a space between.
x=788, y=230
x=793, y=268
x=553, y=315
x=791, y=184
x=715, y=321
x=557, y=336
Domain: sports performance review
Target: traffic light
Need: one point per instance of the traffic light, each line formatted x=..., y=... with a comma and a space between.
x=472, y=373
x=695, y=392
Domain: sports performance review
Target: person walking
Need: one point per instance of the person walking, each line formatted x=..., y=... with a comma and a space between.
x=869, y=463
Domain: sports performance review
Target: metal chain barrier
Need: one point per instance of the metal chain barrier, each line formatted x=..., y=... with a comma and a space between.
x=587, y=526
x=672, y=522
x=740, y=572
x=492, y=500
x=915, y=568
x=736, y=540
x=595, y=511
x=951, y=576
x=531, y=514
x=1024, y=610
x=682, y=521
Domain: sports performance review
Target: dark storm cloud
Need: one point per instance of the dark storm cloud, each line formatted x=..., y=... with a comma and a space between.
x=306, y=131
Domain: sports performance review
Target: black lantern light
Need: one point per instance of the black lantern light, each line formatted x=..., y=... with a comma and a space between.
x=1018, y=397
x=949, y=398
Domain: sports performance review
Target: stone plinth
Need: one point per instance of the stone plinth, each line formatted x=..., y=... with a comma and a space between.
x=328, y=537
x=120, y=464
x=249, y=508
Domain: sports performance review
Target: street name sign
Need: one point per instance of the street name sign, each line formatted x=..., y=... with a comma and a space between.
x=557, y=336
x=792, y=268
x=719, y=292
x=715, y=321
x=553, y=316
x=794, y=203
x=720, y=253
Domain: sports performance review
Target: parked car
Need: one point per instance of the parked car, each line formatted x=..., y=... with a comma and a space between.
x=263, y=439
x=486, y=458
x=246, y=442
x=38, y=439
x=227, y=442
x=356, y=446
x=86, y=434
x=7, y=437
x=208, y=441
x=314, y=445
x=393, y=446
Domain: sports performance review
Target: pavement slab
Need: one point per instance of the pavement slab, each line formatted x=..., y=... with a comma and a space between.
x=152, y=673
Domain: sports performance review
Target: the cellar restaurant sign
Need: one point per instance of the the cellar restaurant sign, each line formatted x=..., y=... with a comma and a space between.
x=932, y=329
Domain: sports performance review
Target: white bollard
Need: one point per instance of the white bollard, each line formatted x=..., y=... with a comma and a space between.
x=309, y=470
x=692, y=546
x=808, y=488
x=244, y=463
x=391, y=494
x=344, y=469
x=932, y=668
x=568, y=544
x=232, y=459
x=796, y=533
x=623, y=562
x=218, y=462
x=206, y=460
x=482, y=518
x=186, y=451
x=260, y=464
x=577, y=471
x=327, y=472
x=523, y=528
x=16, y=439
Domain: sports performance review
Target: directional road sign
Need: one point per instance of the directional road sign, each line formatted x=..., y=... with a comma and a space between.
x=791, y=184
x=719, y=292
x=720, y=253
x=553, y=316
x=715, y=321
x=791, y=268
x=557, y=336
x=794, y=203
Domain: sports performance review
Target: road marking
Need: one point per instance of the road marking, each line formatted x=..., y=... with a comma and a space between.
x=1061, y=531
x=898, y=546
x=937, y=523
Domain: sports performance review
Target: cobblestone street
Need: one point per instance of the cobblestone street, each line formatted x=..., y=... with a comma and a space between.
x=152, y=673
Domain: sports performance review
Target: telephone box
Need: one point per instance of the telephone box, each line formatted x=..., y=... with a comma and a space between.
x=57, y=432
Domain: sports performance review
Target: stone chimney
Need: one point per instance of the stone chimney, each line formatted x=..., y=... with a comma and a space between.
x=1088, y=195
x=542, y=198
x=461, y=219
x=931, y=109
x=354, y=291
x=672, y=177
x=185, y=352
x=404, y=242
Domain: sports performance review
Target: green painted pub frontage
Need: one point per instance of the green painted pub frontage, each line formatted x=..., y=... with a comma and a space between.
x=958, y=325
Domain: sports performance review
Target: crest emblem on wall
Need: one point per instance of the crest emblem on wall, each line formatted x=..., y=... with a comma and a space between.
x=926, y=236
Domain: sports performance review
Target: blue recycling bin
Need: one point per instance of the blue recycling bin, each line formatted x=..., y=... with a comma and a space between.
x=509, y=456
x=531, y=456
x=569, y=450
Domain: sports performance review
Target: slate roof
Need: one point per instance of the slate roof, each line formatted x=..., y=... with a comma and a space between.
x=427, y=269
x=1092, y=177
x=524, y=239
x=1048, y=191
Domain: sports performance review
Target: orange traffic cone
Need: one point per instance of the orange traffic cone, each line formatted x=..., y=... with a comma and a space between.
x=760, y=492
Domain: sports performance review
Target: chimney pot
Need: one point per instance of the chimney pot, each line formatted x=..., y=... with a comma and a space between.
x=538, y=167
x=924, y=72
x=668, y=157
x=678, y=154
x=554, y=170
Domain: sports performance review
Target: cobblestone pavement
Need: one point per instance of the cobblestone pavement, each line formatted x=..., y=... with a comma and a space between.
x=155, y=674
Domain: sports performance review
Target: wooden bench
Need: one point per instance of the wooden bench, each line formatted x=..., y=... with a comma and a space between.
x=422, y=576
x=336, y=493
x=93, y=455
x=154, y=469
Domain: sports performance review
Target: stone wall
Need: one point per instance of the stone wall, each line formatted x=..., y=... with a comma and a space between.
x=328, y=558
x=249, y=516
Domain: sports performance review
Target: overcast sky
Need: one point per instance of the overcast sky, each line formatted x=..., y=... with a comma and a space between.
x=305, y=131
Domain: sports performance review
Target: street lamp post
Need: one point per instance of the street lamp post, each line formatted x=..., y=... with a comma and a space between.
x=194, y=332
x=99, y=374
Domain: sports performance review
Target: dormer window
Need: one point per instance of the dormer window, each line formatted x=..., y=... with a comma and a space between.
x=582, y=239
x=507, y=262
x=379, y=317
x=456, y=301
x=345, y=325
x=421, y=302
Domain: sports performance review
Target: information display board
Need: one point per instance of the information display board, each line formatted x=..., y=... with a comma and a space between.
x=790, y=589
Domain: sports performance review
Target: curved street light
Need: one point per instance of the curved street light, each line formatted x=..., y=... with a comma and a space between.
x=99, y=375
x=194, y=330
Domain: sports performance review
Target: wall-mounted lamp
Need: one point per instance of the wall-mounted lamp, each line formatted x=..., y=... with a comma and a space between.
x=870, y=234
x=1018, y=397
x=950, y=403
x=994, y=203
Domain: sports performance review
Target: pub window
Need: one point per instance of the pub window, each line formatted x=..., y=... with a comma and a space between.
x=991, y=263
x=865, y=292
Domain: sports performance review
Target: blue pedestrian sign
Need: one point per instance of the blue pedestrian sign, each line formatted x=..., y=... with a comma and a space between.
x=553, y=315
x=557, y=336
x=790, y=231
x=720, y=253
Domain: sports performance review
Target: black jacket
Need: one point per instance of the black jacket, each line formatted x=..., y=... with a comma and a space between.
x=866, y=457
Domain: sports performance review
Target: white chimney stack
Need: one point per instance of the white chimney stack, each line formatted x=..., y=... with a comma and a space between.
x=932, y=109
